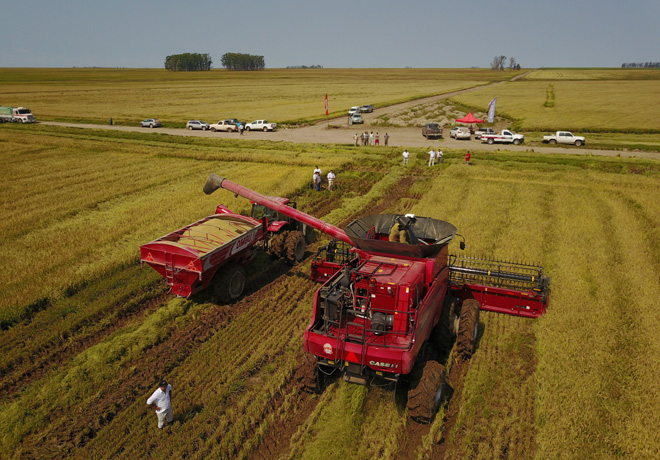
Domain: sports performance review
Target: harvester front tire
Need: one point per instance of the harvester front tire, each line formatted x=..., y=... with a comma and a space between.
x=231, y=283
x=295, y=246
x=276, y=246
x=466, y=341
x=426, y=392
x=444, y=333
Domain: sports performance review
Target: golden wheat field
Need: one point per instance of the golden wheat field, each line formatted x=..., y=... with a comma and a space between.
x=283, y=96
x=86, y=332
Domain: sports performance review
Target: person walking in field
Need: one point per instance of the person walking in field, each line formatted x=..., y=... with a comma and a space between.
x=317, y=181
x=431, y=157
x=439, y=156
x=467, y=158
x=161, y=402
x=386, y=137
x=406, y=155
x=331, y=179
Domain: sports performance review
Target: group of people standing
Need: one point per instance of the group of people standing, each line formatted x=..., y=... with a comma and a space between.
x=367, y=138
x=317, y=179
x=433, y=156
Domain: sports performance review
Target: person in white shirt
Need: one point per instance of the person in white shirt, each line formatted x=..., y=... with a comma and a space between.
x=161, y=402
x=406, y=155
x=431, y=157
x=317, y=170
x=439, y=156
x=331, y=179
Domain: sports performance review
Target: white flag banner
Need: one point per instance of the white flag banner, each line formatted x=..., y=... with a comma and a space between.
x=491, y=110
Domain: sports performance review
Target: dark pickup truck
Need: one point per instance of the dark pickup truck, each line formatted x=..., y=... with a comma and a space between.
x=432, y=130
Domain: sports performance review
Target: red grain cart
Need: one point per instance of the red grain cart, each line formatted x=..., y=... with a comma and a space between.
x=189, y=258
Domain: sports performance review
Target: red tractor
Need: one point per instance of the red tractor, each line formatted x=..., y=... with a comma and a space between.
x=393, y=293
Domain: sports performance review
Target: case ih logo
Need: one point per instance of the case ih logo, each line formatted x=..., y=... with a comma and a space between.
x=242, y=243
x=381, y=364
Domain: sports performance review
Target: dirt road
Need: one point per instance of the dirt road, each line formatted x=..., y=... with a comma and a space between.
x=337, y=131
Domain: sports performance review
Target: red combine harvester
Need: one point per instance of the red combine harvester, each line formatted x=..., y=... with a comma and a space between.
x=397, y=293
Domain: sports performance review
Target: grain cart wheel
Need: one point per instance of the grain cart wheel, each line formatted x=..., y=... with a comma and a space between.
x=295, y=246
x=276, y=245
x=230, y=283
x=466, y=340
x=427, y=390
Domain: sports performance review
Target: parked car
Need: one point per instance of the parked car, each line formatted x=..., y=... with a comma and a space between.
x=355, y=119
x=452, y=133
x=228, y=125
x=151, y=123
x=480, y=131
x=432, y=130
x=260, y=125
x=197, y=124
x=463, y=133
x=368, y=108
x=353, y=110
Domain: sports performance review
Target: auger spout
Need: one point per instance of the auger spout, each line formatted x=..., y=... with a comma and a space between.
x=215, y=182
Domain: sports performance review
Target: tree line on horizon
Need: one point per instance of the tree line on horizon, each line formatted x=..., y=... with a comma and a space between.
x=241, y=61
x=188, y=62
x=499, y=63
x=640, y=65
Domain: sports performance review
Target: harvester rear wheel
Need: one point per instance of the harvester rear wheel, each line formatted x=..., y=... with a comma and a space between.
x=230, y=283
x=276, y=246
x=295, y=246
x=427, y=390
x=468, y=328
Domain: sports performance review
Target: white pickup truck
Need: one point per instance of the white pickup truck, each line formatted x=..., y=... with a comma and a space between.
x=564, y=137
x=505, y=137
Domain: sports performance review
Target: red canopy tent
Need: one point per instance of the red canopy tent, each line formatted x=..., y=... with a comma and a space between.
x=469, y=118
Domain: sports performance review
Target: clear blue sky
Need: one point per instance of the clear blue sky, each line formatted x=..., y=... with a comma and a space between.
x=334, y=33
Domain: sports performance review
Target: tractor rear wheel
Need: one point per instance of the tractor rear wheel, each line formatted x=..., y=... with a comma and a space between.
x=276, y=245
x=295, y=246
x=230, y=283
x=427, y=390
x=466, y=340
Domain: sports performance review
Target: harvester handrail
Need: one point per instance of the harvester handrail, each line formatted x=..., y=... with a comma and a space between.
x=215, y=182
